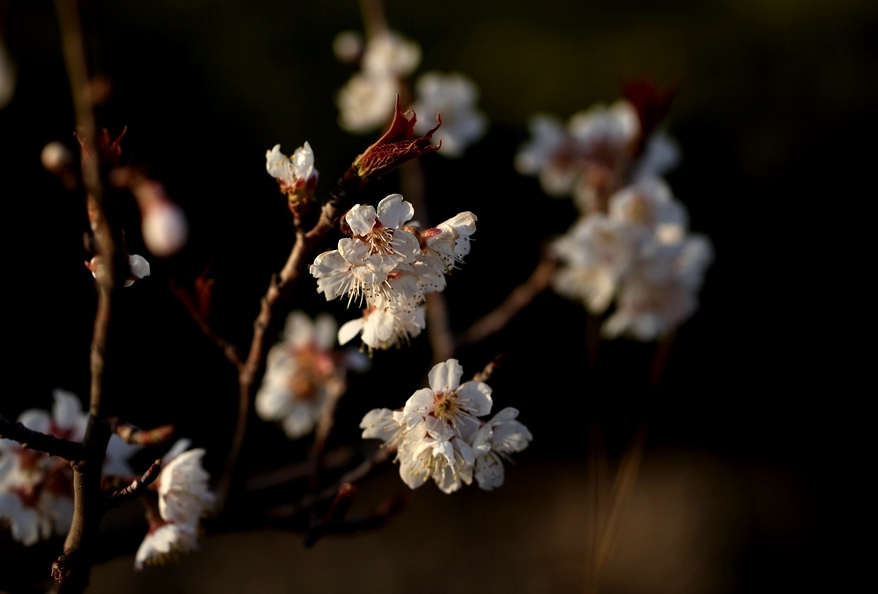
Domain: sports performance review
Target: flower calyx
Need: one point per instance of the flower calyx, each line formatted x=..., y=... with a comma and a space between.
x=396, y=146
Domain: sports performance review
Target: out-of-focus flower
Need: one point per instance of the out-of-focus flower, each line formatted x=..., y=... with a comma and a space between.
x=36, y=490
x=365, y=102
x=437, y=434
x=295, y=175
x=164, y=541
x=302, y=373
x=600, y=151
x=454, y=96
x=348, y=46
x=640, y=255
x=56, y=157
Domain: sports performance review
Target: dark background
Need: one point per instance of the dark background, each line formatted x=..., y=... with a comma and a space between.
x=776, y=101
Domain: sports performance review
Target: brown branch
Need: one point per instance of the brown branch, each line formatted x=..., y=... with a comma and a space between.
x=231, y=351
x=364, y=469
x=133, y=435
x=486, y=373
x=281, y=284
x=34, y=440
x=136, y=488
x=518, y=299
x=73, y=568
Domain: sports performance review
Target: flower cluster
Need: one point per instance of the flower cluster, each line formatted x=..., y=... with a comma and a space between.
x=438, y=435
x=600, y=151
x=631, y=244
x=641, y=255
x=389, y=267
x=36, y=490
x=454, y=96
x=183, y=498
x=365, y=101
x=304, y=372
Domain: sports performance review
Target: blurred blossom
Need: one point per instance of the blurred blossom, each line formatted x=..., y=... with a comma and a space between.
x=303, y=372
x=348, y=46
x=438, y=435
x=366, y=101
x=639, y=254
x=7, y=75
x=36, y=490
x=56, y=157
x=454, y=96
x=164, y=228
x=596, y=154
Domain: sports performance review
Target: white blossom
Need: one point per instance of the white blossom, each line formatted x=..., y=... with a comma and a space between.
x=164, y=541
x=183, y=491
x=367, y=100
x=301, y=373
x=385, y=323
x=437, y=435
x=454, y=96
x=496, y=439
x=36, y=490
x=359, y=268
x=296, y=175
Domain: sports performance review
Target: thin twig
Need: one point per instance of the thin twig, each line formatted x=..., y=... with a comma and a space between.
x=663, y=348
x=486, y=373
x=623, y=488
x=230, y=350
x=518, y=299
x=34, y=440
x=134, y=435
x=136, y=488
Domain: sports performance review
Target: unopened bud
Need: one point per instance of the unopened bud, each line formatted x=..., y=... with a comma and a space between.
x=348, y=46
x=56, y=158
x=164, y=227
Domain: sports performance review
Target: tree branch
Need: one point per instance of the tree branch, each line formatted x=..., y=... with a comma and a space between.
x=518, y=299
x=34, y=440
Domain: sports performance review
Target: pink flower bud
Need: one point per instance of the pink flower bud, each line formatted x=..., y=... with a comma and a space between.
x=164, y=228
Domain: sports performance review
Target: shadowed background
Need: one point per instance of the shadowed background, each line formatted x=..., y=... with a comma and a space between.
x=774, y=95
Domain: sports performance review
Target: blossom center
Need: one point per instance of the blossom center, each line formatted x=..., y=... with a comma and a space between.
x=380, y=240
x=447, y=406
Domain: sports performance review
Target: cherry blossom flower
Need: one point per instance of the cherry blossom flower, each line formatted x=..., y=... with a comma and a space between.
x=449, y=241
x=302, y=373
x=183, y=498
x=599, y=151
x=495, y=440
x=454, y=96
x=295, y=175
x=359, y=268
x=385, y=323
x=455, y=404
x=437, y=435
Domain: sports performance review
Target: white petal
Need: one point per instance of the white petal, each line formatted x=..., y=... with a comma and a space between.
x=349, y=330
x=361, y=219
x=393, y=211
x=477, y=397
x=445, y=376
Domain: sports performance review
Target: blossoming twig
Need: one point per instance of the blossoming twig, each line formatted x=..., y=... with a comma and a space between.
x=28, y=438
x=518, y=299
x=136, y=488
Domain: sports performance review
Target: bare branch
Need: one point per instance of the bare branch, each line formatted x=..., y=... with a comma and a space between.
x=136, y=488
x=485, y=374
x=518, y=299
x=34, y=440
x=134, y=435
